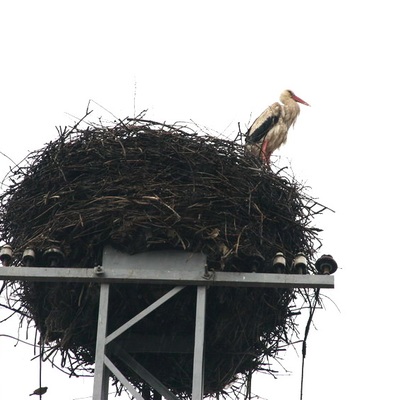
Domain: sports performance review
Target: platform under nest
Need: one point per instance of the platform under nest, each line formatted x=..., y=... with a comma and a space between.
x=141, y=186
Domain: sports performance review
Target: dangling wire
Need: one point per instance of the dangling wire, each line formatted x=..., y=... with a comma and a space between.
x=304, y=347
x=248, y=386
x=41, y=348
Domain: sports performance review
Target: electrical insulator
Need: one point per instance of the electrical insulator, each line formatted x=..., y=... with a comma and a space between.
x=279, y=263
x=326, y=265
x=300, y=264
x=53, y=257
x=6, y=255
x=28, y=257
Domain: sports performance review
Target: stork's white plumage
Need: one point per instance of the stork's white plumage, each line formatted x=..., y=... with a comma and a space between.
x=269, y=131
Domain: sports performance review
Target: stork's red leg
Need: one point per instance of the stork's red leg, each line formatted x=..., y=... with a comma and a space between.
x=264, y=151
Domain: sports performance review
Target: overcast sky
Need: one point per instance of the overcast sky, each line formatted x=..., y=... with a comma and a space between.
x=219, y=63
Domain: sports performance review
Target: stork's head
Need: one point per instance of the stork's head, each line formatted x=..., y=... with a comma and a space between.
x=288, y=94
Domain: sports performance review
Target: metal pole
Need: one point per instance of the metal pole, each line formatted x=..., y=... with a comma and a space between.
x=198, y=357
x=101, y=373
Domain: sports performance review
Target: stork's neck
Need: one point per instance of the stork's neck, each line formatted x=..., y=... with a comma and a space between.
x=292, y=110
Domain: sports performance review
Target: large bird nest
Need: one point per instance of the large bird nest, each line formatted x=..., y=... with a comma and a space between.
x=142, y=186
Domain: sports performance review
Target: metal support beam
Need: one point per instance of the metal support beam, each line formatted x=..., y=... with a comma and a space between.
x=142, y=372
x=180, y=278
x=101, y=373
x=162, y=267
x=198, y=356
x=120, y=376
x=142, y=314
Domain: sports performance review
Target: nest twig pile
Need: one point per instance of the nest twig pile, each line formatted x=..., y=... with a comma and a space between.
x=142, y=186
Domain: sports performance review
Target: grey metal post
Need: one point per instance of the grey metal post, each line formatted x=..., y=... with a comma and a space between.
x=198, y=356
x=101, y=373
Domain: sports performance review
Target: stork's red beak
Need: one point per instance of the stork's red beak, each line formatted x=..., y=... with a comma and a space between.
x=299, y=100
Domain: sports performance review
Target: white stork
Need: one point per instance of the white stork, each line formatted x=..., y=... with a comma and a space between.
x=269, y=131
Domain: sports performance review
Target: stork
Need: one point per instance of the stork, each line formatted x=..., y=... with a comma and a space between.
x=269, y=131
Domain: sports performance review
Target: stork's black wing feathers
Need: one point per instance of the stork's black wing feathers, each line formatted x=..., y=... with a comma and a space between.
x=257, y=134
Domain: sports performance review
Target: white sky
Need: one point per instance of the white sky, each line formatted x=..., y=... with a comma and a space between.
x=219, y=63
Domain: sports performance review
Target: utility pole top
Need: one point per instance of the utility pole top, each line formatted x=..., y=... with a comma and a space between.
x=173, y=267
